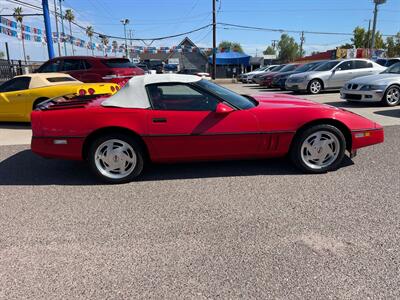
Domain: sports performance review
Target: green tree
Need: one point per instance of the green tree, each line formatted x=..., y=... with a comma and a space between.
x=269, y=51
x=359, y=37
x=363, y=39
x=230, y=46
x=89, y=32
x=379, y=42
x=347, y=46
x=289, y=50
x=70, y=17
x=19, y=18
x=2, y=55
x=393, y=45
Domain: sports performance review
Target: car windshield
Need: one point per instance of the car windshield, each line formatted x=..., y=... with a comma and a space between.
x=277, y=68
x=394, y=69
x=307, y=67
x=118, y=63
x=288, y=68
x=237, y=100
x=381, y=61
x=327, y=66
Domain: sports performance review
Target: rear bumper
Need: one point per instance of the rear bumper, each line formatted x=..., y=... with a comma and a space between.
x=58, y=147
x=367, y=137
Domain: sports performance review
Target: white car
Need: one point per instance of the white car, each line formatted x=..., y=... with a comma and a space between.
x=248, y=77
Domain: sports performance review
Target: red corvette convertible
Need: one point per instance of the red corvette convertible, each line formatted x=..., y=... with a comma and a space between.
x=171, y=118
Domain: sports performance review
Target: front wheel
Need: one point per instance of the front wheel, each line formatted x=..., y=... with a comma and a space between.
x=116, y=158
x=392, y=96
x=318, y=149
x=314, y=87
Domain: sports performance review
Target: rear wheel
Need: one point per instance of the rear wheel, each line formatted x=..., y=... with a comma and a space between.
x=392, y=96
x=314, y=87
x=116, y=158
x=318, y=149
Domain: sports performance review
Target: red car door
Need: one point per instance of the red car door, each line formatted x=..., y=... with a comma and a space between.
x=183, y=125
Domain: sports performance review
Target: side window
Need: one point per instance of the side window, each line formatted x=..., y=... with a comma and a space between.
x=16, y=84
x=346, y=65
x=73, y=65
x=361, y=64
x=178, y=96
x=49, y=67
x=86, y=64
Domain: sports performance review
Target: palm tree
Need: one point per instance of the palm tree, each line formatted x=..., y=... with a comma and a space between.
x=115, y=47
x=70, y=17
x=104, y=41
x=89, y=33
x=19, y=18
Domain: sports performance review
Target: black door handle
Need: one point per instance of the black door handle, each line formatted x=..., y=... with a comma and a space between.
x=159, y=120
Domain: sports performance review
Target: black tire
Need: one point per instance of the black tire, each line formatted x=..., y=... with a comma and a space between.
x=386, y=98
x=132, y=142
x=38, y=102
x=312, y=86
x=296, y=148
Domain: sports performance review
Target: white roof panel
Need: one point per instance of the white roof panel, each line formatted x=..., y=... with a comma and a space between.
x=134, y=95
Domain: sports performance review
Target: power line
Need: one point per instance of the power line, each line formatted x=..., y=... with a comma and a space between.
x=119, y=37
x=289, y=30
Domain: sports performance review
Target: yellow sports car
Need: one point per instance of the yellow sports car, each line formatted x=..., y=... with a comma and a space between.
x=20, y=95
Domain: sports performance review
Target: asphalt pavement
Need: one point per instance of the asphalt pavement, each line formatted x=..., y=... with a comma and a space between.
x=242, y=229
x=224, y=230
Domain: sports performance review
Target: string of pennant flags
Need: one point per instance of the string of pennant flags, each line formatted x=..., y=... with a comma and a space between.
x=29, y=33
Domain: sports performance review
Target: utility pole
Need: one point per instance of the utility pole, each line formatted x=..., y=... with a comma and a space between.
x=62, y=28
x=47, y=25
x=125, y=22
x=377, y=2
x=130, y=36
x=368, y=35
x=58, y=33
x=302, y=39
x=274, y=43
x=214, y=52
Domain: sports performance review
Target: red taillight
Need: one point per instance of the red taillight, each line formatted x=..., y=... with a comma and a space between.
x=112, y=89
x=117, y=87
x=91, y=91
x=82, y=92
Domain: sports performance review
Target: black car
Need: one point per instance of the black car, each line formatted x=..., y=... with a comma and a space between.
x=280, y=79
x=144, y=67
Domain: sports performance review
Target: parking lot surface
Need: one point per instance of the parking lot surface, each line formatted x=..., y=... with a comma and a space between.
x=243, y=229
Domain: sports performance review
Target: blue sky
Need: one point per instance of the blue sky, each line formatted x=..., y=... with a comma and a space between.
x=153, y=18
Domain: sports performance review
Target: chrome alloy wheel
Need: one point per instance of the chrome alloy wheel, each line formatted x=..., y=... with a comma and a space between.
x=315, y=87
x=393, y=96
x=320, y=149
x=115, y=159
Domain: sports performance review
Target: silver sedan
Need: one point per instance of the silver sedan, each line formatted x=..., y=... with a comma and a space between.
x=383, y=87
x=332, y=75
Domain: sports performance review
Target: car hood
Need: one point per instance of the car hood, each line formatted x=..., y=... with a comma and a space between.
x=375, y=79
x=284, y=74
x=303, y=74
x=270, y=74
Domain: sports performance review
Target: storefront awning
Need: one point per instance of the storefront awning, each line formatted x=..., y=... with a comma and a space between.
x=231, y=58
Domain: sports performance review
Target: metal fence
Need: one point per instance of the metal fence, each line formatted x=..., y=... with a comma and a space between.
x=9, y=69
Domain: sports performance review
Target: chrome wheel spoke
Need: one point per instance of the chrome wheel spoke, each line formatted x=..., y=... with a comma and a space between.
x=320, y=149
x=115, y=159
